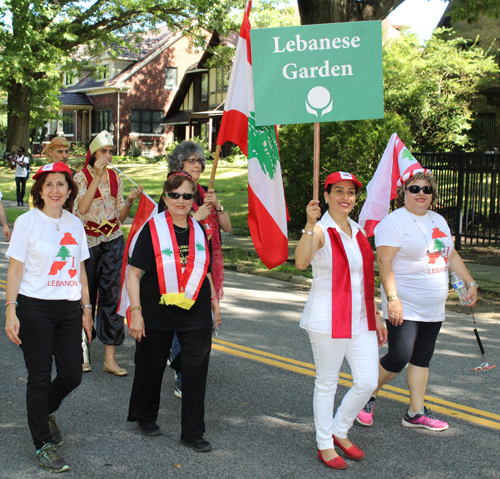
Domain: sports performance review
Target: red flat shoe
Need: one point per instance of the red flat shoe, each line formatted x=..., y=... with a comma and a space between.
x=337, y=463
x=352, y=452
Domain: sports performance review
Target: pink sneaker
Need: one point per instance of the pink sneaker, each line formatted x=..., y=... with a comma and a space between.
x=365, y=417
x=425, y=420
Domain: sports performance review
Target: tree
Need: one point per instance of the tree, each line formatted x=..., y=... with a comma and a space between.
x=40, y=39
x=470, y=10
x=432, y=88
x=337, y=11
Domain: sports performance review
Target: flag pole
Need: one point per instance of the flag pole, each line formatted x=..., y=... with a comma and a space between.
x=214, y=167
x=316, y=161
x=122, y=173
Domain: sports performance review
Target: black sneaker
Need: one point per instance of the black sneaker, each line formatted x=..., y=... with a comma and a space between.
x=56, y=432
x=198, y=445
x=149, y=428
x=50, y=459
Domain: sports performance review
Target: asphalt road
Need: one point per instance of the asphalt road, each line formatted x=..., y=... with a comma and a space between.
x=259, y=406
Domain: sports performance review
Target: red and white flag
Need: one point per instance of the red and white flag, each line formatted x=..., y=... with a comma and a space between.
x=145, y=211
x=396, y=166
x=267, y=214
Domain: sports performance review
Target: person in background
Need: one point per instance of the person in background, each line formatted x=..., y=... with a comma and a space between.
x=3, y=221
x=340, y=315
x=207, y=210
x=22, y=164
x=102, y=209
x=46, y=292
x=58, y=150
x=414, y=253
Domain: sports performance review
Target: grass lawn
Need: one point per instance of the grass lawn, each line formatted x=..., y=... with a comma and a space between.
x=230, y=186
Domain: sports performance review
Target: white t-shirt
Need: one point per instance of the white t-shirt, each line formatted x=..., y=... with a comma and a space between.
x=421, y=264
x=22, y=172
x=51, y=258
x=317, y=315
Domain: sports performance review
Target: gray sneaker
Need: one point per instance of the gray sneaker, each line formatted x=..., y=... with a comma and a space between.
x=56, y=432
x=50, y=459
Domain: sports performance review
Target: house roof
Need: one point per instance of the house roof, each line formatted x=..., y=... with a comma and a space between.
x=178, y=100
x=71, y=98
x=150, y=47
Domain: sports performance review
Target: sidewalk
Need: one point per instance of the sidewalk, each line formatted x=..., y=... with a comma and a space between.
x=487, y=276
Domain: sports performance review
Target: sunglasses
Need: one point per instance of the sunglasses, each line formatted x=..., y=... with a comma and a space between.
x=176, y=196
x=192, y=161
x=416, y=189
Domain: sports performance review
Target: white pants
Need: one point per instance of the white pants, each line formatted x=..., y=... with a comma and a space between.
x=361, y=353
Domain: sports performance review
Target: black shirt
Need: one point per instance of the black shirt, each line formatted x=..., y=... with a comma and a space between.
x=159, y=316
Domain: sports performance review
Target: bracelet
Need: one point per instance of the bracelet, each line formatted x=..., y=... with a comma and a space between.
x=307, y=232
x=87, y=306
x=133, y=308
x=129, y=205
x=214, y=298
x=11, y=302
x=472, y=284
x=392, y=297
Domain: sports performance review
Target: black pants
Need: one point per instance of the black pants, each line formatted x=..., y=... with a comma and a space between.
x=413, y=342
x=151, y=356
x=104, y=269
x=49, y=328
x=20, y=189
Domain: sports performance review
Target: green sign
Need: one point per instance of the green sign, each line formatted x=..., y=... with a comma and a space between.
x=315, y=73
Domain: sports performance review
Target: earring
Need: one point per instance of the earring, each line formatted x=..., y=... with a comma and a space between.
x=326, y=201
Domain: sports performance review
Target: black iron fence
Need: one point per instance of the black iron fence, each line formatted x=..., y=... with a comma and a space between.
x=470, y=195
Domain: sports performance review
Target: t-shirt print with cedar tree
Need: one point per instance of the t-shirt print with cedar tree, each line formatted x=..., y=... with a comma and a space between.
x=65, y=257
x=439, y=248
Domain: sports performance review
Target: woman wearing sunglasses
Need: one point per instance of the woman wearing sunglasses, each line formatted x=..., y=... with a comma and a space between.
x=340, y=315
x=414, y=253
x=171, y=290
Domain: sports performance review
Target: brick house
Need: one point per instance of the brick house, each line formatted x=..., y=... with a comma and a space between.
x=198, y=104
x=129, y=95
x=487, y=105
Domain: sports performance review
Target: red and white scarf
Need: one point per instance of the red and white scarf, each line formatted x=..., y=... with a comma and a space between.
x=341, y=285
x=179, y=285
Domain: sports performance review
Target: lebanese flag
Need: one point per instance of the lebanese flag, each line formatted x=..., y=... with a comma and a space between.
x=396, y=166
x=145, y=211
x=267, y=213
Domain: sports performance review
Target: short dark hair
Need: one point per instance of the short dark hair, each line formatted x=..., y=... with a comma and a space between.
x=37, y=188
x=22, y=149
x=176, y=179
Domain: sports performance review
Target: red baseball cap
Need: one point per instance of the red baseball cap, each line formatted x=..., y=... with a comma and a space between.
x=339, y=176
x=58, y=167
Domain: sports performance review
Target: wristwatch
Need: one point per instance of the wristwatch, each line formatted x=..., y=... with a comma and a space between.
x=221, y=211
x=472, y=284
x=392, y=297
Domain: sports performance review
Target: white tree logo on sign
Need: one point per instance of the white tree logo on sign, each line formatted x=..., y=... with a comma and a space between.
x=319, y=98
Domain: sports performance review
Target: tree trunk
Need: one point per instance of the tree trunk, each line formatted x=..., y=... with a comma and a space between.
x=337, y=11
x=18, y=111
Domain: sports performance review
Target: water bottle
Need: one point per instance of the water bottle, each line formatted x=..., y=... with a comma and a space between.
x=459, y=287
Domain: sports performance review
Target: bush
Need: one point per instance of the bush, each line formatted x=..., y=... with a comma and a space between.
x=80, y=148
x=353, y=146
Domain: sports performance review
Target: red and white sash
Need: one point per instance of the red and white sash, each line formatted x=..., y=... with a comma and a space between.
x=178, y=286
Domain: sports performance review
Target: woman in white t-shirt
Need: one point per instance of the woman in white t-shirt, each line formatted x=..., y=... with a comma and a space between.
x=414, y=253
x=340, y=315
x=46, y=291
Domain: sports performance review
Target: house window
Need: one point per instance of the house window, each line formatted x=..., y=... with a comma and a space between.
x=101, y=120
x=103, y=72
x=170, y=77
x=147, y=121
x=68, y=125
x=69, y=78
x=222, y=78
x=204, y=87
